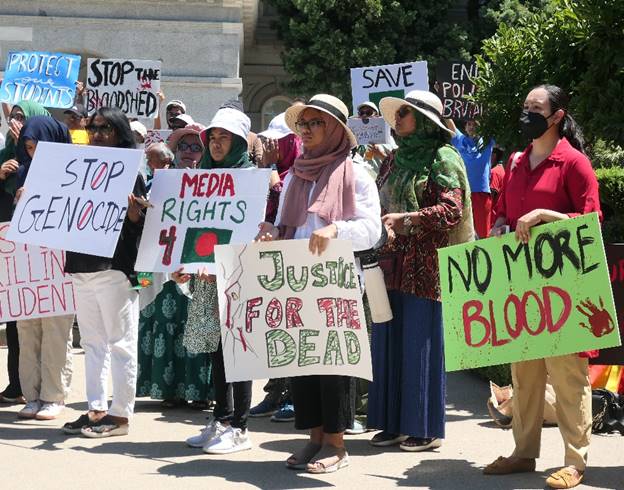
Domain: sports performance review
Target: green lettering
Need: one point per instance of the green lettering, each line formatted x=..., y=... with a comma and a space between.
x=297, y=285
x=278, y=278
x=168, y=205
x=353, y=347
x=333, y=347
x=305, y=347
x=320, y=280
x=282, y=354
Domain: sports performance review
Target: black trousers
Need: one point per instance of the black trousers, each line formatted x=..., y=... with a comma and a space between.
x=232, y=400
x=14, y=389
x=323, y=401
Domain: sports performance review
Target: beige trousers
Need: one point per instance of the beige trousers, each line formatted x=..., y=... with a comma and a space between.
x=45, y=364
x=569, y=376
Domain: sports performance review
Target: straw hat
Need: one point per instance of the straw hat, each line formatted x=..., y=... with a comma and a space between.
x=423, y=101
x=326, y=103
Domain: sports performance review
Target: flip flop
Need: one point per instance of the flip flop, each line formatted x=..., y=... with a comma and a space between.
x=303, y=456
x=106, y=427
x=329, y=460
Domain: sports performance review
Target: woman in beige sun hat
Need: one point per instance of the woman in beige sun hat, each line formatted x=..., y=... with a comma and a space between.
x=425, y=200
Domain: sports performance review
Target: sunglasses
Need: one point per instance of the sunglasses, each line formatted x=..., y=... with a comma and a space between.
x=194, y=147
x=105, y=129
x=404, y=111
x=366, y=113
x=310, y=125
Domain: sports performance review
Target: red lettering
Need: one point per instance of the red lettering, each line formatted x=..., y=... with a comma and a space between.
x=542, y=315
x=213, y=184
x=41, y=298
x=520, y=319
x=495, y=341
x=251, y=313
x=325, y=305
x=202, y=182
x=188, y=181
x=567, y=307
x=228, y=185
x=342, y=312
x=293, y=306
x=354, y=317
x=470, y=318
x=274, y=313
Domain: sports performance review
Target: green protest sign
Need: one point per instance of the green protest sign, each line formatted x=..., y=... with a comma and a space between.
x=506, y=301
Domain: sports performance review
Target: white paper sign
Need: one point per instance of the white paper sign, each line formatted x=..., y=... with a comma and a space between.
x=370, y=131
x=157, y=136
x=194, y=210
x=286, y=312
x=75, y=198
x=372, y=83
x=32, y=281
x=130, y=85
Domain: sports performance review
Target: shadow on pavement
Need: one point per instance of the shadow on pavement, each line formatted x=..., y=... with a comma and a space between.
x=157, y=450
x=46, y=436
x=355, y=447
x=261, y=474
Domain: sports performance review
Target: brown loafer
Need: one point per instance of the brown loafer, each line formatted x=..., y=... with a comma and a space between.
x=568, y=477
x=507, y=466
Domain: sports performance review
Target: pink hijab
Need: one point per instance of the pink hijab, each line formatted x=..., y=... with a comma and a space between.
x=331, y=168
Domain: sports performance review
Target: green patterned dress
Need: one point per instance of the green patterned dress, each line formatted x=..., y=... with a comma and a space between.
x=167, y=370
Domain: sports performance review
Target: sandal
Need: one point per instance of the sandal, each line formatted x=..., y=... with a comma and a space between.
x=75, y=427
x=300, y=460
x=329, y=460
x=568, y=477
x=105, y=427
x=507, y=466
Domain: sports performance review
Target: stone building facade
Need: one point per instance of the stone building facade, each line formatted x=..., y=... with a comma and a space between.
x=211, y=50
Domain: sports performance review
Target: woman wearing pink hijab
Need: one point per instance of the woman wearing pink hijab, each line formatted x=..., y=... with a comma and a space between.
x=325, y=196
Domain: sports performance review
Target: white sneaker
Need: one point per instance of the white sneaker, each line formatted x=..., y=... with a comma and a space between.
x=30, y=410
x=212, y=430
x=49, y=411
x=230, y=441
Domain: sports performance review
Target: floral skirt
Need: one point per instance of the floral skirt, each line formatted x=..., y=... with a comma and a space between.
x=166, y=369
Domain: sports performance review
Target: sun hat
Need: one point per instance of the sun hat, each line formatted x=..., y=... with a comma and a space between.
x=425, y=102
x=139, y=128
x=370, y=104
x=178, y=134
x=186, y=118
x=232, y=120
x=77, y=109
x=277, y=128
x=326, y=103
x=176, y=102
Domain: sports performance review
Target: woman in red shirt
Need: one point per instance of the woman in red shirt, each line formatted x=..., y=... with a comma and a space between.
x=551, y=180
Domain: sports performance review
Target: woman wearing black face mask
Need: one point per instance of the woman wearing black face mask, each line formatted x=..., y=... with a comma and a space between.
x=551, y=180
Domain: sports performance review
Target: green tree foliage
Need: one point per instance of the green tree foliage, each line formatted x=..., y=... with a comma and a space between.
x=323, y=39
x=578, y=45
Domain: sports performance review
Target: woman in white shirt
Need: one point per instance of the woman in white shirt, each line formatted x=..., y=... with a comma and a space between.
x=325, y=196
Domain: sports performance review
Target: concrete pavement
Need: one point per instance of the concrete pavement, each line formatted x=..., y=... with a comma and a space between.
x=36, y=455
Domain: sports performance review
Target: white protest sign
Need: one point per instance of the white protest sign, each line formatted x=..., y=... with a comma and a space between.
x=157, y=136
x=286, y=312
x=75, y=197
x=370, y=131
x=32, y=281
x=130, y=85
x=194, y=210
x=372, y=83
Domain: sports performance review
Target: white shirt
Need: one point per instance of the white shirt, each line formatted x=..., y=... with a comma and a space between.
x=364, y=229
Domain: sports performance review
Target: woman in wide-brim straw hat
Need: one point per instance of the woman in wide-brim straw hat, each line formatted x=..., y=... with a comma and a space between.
x=325, y=196
x=425, y=199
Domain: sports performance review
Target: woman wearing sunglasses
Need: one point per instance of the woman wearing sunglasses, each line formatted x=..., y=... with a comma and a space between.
x=169, y=371
x=107, y=306
x=426, y=201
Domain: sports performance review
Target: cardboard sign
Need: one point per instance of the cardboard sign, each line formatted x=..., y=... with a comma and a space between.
x=32, y=281
x=195, y=210
x=504, y=301
x=370, y=131
x=157, y=136
x=285, y=312
x=130, y=85
x=453, y=84
x=615, y=262
x=46, y=78
x=75, y=197
x=372, y=83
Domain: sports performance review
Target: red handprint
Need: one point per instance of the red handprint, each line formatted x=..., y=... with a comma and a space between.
x=599, y=319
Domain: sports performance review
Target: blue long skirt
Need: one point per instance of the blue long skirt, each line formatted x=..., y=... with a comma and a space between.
x=407, y=395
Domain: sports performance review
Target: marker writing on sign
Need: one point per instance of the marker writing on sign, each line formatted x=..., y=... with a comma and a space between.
x=388, y=77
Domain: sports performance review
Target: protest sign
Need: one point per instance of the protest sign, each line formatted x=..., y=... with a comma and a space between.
x=372, y=83
x=286, y=312
x=157, y=136
x=504, y=301
x=75, y=197
x=32, y=281
x=46, y=78
x=130, y=85
x=615, y=262
x=370, y=131
x=454, y=84
x=195, y=210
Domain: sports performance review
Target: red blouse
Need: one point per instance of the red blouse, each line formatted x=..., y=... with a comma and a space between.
x=564, y=182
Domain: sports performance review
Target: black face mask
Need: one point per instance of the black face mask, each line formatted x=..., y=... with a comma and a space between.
x=533, y=124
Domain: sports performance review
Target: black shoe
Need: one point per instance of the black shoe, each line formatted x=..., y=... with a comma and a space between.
x=418, y=444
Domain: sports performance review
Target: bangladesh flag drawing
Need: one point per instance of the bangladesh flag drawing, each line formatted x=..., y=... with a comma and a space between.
x=199, y=244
